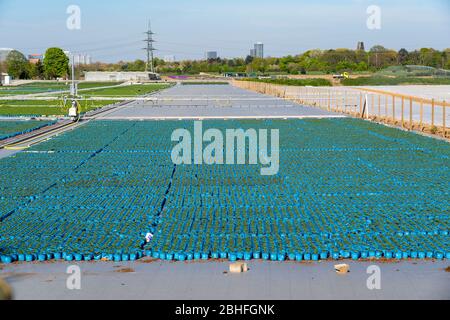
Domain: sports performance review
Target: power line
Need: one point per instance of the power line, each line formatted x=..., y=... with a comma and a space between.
x=150, y=49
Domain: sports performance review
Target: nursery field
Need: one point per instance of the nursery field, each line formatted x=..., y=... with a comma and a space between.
x=125, y=91
x=44, y=87
x=346, y=188
x=42, y=107
x=10, y=129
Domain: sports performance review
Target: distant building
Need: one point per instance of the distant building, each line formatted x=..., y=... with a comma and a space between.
x=81, y=58
x=4, y=53
x=5, y=79
x=120, y=76
x=211, y=55
x=35, y=58
x=360, y=46
x=259, y=50
x=169, y=58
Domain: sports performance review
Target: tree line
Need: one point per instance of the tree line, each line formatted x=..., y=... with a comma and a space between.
x=56, y=63
x=323, y=61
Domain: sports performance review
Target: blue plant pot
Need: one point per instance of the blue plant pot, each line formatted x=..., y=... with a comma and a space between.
x=6, y=259
x=355, y=255
x=68, y=257
x=439, y=255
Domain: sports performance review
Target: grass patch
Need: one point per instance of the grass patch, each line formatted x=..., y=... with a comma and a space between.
x=125, y=91
x=44, y=87
x=48, y=108
x=389, y=81
x=316, y=82
x=55, y=107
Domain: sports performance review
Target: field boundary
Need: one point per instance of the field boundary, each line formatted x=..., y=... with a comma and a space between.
x=376, y=105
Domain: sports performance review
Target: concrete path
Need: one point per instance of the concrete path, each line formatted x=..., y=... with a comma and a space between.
x=214, y=101
x=195, y=280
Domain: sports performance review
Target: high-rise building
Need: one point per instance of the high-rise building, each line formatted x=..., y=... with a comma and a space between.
x=252, y=53
x=259, y=50
x=82, y=59
x=211, y=55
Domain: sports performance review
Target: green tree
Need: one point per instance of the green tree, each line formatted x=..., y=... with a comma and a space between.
x=403, y=56
x=36, y=71
x=249, y=59
x=56, y=63
x=17, y=65
x=362, y=66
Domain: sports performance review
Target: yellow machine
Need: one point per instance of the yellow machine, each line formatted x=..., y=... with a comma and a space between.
x=344, y=75
x=73, y=110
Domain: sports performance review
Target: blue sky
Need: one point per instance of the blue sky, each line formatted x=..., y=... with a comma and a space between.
x=112, y=30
